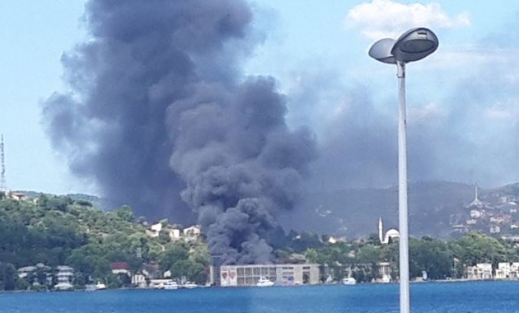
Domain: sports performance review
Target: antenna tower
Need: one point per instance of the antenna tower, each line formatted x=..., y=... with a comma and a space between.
x=2, y=161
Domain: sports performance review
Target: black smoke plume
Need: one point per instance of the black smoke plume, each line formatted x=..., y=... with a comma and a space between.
x=159, y=116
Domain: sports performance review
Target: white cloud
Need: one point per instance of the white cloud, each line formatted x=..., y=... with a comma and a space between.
x=386, y=18
x=427, y=114
x=504, y=111
x=499, y=114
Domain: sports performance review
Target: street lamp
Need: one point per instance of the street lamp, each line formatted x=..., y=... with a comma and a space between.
x=413, y=45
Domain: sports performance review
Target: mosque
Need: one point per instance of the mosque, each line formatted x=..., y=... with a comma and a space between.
x=476, y=202
x=392, y=233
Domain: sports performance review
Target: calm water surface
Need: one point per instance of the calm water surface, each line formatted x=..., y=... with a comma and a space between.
x=425, y=297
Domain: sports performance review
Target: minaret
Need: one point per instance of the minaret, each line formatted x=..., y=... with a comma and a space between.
x=476, y=202
x=380, y=230
x=2, y=165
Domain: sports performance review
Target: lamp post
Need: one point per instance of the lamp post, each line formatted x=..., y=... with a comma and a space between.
x=413, y=45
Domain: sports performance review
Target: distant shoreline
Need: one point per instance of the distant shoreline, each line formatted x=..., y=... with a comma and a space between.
x=439, y=281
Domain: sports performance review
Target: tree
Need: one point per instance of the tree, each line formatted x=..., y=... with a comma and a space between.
x=175, y=251
x=125, y=213
x=179, y=269
x=368, y=257
x=432, y=256
x=200, y=254
x=164, y=236
x=476, y=248
x=312, y=256
x=8, y=276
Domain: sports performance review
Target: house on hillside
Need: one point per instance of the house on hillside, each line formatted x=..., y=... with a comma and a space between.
x=26, y=271
x=175, y=234
x=139, y=280
x=64, y=276
x=192, y=233
x=495, y=229
x=18, y=196
x=121, y=268
x=476, y=213
x=37, y=275
x=155, y=230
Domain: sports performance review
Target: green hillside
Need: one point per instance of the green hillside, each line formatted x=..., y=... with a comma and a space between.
x=55, y=231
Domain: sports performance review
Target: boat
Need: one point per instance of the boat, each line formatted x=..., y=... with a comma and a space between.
x=100, y=286
x=172, y=285
x=424, y=275
x=264, y=282
x=189, y=285
x=63, y=286
x=349, y=281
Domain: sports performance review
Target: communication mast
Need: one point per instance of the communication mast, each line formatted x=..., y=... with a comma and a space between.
x=2, y=161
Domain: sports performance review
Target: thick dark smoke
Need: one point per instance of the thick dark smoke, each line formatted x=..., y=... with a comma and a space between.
x=160, y=117
x=240, y=163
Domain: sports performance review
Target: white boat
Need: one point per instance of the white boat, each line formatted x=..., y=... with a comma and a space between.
x=264, y=282
x=349, y=281
x=171, y=285
x=189, y=285
x=63, y=286
x=100, y=286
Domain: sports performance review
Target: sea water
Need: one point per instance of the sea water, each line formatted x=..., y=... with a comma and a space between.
x=430, y=297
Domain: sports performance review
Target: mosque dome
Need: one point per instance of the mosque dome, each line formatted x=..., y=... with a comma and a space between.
x=392, y=233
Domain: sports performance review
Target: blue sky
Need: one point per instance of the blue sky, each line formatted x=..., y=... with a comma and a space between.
x=317, y=50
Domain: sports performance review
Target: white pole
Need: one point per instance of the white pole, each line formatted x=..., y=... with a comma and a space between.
x=402, y=192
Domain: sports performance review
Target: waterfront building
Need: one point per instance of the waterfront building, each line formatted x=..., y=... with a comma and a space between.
x=64, y=276
x=480, y=271
x=384, y=269
x=507, y=270
x=281, y=274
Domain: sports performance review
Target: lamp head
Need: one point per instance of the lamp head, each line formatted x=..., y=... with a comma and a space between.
x=415, y=44
x=381, y=51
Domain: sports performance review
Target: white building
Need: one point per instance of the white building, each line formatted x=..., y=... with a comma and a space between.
x=384, y=269
x=175, y=234
x=507, y=270
x=64, y=276
x=480, y=271
x=390, y=234
x=139, y=281
x=192, y=233
x=476, y=213
x=495, y=229
x=23, y=272
x=29, y=273
x=281, y=274
x=155, y=230
x=503, y=270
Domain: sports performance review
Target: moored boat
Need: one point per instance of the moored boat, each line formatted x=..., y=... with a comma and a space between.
x=171, y=285
x=189, y=285
x=349, y=281
x=264, y=282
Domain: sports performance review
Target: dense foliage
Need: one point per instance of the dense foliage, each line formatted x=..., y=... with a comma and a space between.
x=52, y=231
x=441, y=259
x=57, y=231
